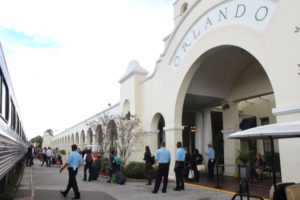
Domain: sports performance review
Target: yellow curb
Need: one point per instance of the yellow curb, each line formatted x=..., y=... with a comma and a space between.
x=31, y=184
x=213, y=189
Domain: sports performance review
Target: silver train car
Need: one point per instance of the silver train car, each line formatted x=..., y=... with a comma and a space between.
x=13, y=141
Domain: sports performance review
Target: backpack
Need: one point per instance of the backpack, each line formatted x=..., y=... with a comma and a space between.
x=89, y=158
x=117, y=160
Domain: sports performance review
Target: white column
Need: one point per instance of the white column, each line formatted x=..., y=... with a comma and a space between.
x=95, y=143
x=230, y=125
x=173, y=135
x=207, y=131
x=199, y=132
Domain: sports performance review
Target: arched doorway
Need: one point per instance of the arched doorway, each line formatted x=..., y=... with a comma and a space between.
x=112, y=135
x=100, y=139
x=126, y=108
x=89, y=138
x=82, y=139
x=72, y=139
x=215, y=90
x=158, y=123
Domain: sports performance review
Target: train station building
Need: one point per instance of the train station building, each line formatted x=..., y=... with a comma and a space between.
x=227, y=66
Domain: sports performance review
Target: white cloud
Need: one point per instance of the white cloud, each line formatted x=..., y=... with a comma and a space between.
x=59, y=87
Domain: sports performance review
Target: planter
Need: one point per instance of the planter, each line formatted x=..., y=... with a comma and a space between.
x=244, y=172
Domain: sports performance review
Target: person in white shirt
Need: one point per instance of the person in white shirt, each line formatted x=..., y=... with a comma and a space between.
x=49, y=155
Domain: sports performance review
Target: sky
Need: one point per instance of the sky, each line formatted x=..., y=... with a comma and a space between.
x=65, y=57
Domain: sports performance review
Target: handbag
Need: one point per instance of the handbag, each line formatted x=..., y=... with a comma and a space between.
x=201, y=167
x=191, y=174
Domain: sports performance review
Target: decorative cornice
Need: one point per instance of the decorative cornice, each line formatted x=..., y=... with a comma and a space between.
x=174, y=128
x=132, y=69
x=286, y=110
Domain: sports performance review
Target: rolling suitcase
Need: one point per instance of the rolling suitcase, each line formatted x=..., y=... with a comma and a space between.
x=94, y=172
x=121, y=179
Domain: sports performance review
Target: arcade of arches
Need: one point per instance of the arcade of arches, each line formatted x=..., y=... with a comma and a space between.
x=91, y=139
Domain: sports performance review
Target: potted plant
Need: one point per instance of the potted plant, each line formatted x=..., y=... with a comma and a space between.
x=243, y=160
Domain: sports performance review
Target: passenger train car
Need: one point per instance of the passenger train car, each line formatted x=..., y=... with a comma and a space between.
x=13, y=142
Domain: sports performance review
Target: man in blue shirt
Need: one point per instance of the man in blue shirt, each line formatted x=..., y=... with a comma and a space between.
x=73, y=162
x=211, y=161
x=162, y=164
x=179, y=167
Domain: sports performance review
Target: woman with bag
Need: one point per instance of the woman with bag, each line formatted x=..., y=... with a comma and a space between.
x=196, y=159
x=149, y=161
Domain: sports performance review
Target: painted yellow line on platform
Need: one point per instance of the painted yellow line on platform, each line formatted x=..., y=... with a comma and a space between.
x=213, y=189
x=31, y=180
x=209, y=188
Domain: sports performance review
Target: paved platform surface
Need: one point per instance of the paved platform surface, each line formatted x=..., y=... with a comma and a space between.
x=44, y=183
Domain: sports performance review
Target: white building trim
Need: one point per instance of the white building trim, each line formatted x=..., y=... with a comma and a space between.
x=174, y=128
x=286, y=110
x=224, y=131
x=151, y=132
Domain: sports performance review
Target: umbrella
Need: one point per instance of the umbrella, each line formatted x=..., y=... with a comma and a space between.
x=272, y=131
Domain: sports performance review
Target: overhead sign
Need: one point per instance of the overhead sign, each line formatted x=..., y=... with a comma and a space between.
x=252, y=13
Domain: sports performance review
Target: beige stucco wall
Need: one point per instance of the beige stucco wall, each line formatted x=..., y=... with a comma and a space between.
x=276, y=48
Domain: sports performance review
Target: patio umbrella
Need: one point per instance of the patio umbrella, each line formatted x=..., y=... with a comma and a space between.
x=272, y=131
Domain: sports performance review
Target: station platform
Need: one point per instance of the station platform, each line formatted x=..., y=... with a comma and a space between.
x=44, y=183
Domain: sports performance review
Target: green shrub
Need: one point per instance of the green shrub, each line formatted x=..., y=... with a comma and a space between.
x=62, y=152
x=98, y=163
x=137, y=170
x=105, y=165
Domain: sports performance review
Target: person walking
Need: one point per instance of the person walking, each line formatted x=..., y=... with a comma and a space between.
x=49, y=155
x=114, y=167
x=44, y=156
x=148, y=165
x=88, y=161
x=211, y=161
x=73, y=162
x=29, y=156
x=179, y=167
x=162, y=164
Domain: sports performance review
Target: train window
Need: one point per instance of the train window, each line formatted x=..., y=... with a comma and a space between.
x=13, y=116
x=4, y=98
x=17, y=123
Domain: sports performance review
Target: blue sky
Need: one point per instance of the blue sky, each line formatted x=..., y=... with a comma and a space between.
x=66, y=57
x=14, y=37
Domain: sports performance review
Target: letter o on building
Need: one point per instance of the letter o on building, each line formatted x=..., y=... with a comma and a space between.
x=261, y=13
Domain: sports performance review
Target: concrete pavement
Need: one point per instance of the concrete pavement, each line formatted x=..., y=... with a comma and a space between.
x=44, y=183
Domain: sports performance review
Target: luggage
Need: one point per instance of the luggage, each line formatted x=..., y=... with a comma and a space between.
x=94, y=172
x=121, y=179
x=279, y=193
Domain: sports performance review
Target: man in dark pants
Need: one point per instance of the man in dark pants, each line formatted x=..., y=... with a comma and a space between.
x=162, y=164
x=114, y=168
x=29, y=157
x=88, y=159
x=73, y=162
x=179, y=167
x=211, y=161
